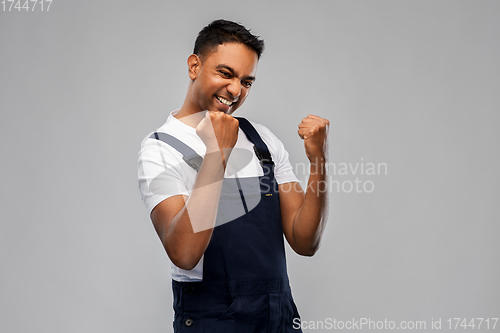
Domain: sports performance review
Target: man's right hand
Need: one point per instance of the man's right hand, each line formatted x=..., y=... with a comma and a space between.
x=218, y=131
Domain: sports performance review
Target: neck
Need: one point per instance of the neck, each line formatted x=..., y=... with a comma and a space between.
x=189, y=113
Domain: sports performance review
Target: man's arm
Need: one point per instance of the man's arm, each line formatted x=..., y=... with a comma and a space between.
x=185, y=224
x=304, y=216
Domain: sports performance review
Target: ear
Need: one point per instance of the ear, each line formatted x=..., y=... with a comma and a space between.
x=194, y=64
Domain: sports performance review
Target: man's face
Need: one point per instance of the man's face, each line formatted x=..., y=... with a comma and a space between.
x=224, y=78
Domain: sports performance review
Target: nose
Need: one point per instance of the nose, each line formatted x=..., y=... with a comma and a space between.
x=234, y=88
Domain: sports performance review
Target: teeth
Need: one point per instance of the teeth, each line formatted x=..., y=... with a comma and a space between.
x=224, y=101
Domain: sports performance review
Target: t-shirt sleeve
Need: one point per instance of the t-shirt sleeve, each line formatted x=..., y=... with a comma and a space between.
x=158, y=174
x=283, y=171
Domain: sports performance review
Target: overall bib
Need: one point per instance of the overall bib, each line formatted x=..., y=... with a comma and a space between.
x=245, y=285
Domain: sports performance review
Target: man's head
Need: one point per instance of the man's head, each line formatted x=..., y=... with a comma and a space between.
x=221, y=32
x=223, y=66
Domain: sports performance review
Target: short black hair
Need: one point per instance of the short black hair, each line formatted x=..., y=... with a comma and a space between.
x=222, y=31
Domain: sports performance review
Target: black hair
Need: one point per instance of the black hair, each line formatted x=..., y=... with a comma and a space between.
x=222, y=31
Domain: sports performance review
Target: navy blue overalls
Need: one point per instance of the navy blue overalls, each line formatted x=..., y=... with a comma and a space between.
x=245, y=285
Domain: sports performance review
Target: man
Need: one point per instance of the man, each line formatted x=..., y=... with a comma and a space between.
x=221, y=217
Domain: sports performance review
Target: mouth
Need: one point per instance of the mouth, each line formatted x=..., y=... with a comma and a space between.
x=225, y=102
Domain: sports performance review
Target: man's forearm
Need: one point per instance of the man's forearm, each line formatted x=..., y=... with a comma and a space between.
x=191, y=229
x=186, y=234
x=310, y=220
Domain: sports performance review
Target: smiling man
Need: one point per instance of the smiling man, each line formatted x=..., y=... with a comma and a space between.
x=222, y=221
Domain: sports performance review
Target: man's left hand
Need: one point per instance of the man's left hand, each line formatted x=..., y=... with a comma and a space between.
x=314, y=131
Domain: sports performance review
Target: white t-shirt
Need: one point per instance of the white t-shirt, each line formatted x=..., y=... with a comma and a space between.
x=163, y=173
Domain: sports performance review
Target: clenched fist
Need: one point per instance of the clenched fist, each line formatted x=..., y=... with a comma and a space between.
x=219, y=132
x=314, y=131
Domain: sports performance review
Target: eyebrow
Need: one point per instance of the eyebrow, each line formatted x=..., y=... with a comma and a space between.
x=252, y=78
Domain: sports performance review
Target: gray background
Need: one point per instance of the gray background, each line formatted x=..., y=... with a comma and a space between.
x=413, y=84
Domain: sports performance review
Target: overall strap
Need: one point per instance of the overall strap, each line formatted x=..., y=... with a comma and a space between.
x=260, y=147
x=188, y=154
x=194, y=160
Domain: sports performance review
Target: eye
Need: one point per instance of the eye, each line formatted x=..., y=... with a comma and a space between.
x=225, y=74
x=247, y=84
